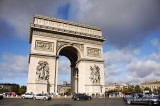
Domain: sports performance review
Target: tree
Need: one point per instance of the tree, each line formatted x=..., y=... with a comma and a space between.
x=22, y=89
x=137, y=89
x=15, y=88
x=158, y=90
x=68, y=92
x=147, y=89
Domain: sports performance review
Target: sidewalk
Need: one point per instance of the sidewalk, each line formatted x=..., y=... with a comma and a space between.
x=12, y=96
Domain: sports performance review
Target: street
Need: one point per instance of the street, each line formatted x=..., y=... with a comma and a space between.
x=64, y=102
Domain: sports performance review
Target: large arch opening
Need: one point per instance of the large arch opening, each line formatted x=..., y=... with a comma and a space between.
x=71, y=54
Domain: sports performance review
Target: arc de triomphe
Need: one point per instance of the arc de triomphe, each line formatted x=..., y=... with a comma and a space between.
x=81, y=44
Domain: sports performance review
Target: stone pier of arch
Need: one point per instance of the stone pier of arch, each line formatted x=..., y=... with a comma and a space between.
x=81, y=44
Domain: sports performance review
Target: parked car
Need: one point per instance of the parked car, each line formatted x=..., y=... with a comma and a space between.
x=41, y=96
x=142, y=99
x=81, y=96
x=27, y=96
x=1, y=96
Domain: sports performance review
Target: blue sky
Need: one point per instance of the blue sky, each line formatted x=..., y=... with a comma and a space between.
x=132, y=30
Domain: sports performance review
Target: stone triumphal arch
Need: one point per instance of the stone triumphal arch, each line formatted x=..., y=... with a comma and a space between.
x=81, y=44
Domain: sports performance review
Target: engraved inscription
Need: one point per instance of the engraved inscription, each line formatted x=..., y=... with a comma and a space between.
x=64, y=26
x=44, y=45
x=93, y=52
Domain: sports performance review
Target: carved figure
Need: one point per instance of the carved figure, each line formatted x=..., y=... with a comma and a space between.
x=42, y=70
x=95, y=74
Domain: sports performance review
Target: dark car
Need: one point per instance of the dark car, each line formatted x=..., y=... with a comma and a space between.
x=127, y=95
x=81, y=96
x=143, y=99
x=1, y=96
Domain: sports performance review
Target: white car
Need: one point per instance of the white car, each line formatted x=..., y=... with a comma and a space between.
x=41, y=96
x=27, y=96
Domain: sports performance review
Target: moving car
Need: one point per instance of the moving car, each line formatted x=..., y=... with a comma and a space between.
x=27, y=96
x=127, y=95
x=81, y=96
x=142, y=99
x=41, y=96
x=1, y=96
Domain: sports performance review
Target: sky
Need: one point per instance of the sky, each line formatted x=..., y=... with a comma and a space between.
x=131, y=27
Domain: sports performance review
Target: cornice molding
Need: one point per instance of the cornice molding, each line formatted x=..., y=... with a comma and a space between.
x=94, y=60
x=67, y=22
x=42, y=55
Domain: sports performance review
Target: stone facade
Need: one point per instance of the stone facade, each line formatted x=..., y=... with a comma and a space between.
x=116, y=86
x=81, y=44
x=151, y=84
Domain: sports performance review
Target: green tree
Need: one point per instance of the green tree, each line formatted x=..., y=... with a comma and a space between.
x=22, y=89
x=147, y=89
x=158, y=90
x=137, y=89
x=15, y=88
x=130, y=89
x=68, y=92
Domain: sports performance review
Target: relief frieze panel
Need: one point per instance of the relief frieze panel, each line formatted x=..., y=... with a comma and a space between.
x=93, y=52
x=66, y=37
x=44, y=45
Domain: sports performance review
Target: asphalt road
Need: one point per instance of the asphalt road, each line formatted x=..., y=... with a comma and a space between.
x=64, y=102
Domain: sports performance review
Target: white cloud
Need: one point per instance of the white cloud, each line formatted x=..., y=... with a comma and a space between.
x=155, y=56
x=64, y=67
x=141, y=69
x=116, y=56
x=64, y=71
x=156, y=43
x=19, y=13
x=127, y=20
x=125, y=23
x=121, y=66
x=14, y=63
x=13, y=66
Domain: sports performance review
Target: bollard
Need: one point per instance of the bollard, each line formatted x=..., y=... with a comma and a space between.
x=65, y=96
x=7, y=96
x=16, y=95
x=52, y=96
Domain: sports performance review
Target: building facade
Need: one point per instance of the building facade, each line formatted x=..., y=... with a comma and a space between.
x=152, y=85
x=116, y=86
x=64, y=89
x=7, y=86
